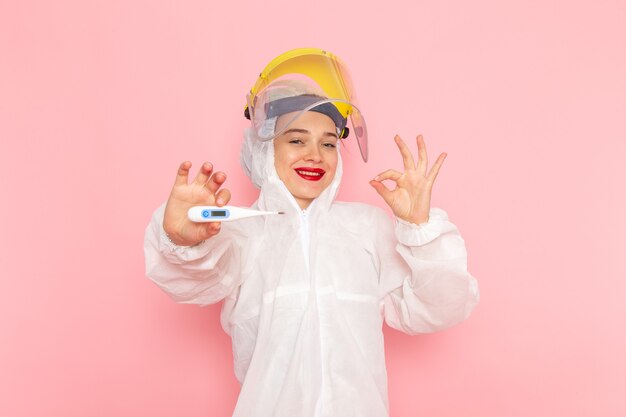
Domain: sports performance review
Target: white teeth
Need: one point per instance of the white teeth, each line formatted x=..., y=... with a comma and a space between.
x=309, y=173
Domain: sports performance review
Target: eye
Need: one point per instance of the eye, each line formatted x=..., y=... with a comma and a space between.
x=330, y=145
x=295, y=140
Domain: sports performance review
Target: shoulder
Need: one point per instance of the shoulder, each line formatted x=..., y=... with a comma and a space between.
x=358, y=212
x=354, y=207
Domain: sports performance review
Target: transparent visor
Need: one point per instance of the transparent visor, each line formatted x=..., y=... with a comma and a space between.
x=316, y=82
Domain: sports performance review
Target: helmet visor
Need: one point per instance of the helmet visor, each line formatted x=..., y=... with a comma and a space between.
x=306, y=80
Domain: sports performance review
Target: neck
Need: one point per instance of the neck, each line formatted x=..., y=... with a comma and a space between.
x=303, y=203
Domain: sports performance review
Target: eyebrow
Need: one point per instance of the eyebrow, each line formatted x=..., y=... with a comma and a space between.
x=308, y=132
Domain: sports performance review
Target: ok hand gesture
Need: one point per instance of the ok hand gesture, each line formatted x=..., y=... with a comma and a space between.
x=410, y=200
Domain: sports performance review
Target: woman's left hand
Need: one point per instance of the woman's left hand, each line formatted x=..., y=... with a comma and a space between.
x=410, y=200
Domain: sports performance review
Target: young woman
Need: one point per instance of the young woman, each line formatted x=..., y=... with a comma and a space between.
x=306, y=293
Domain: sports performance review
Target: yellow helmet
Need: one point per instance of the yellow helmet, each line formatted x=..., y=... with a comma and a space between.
x=300, y=80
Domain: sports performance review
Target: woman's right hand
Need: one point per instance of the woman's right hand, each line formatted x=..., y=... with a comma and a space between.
x=202, y=191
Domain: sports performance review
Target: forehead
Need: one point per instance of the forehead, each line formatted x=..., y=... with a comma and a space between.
x=312, y=121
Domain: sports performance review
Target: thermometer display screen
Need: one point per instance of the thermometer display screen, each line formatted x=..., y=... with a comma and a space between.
x=218, y=213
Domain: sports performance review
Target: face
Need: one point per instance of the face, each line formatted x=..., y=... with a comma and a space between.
x=306, y=155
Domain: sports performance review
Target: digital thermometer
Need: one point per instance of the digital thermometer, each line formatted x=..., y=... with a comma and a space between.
x=223, y=214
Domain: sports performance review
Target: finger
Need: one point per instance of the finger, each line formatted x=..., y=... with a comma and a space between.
x=382, y=190
x=183, y=173
x=210, y=229
x=223, y=197
x=204, y=173
x=407, y=157
x=435, y=170
x=390, y=174
x=216, y=180
x=422, y=163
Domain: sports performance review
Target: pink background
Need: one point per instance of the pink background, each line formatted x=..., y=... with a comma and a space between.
x=100, y=102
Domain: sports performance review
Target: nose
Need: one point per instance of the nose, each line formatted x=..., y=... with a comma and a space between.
x=313, y=154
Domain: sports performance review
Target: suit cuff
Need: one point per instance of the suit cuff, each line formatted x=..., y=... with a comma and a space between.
x=412, y=234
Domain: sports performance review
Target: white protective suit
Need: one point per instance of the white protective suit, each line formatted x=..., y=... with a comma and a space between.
x=305, y=293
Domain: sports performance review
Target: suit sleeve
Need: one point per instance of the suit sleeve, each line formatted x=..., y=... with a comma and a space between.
x=202, y=274
x=423, y=274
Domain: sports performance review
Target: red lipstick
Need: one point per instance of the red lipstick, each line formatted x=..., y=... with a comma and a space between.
x=310, y=174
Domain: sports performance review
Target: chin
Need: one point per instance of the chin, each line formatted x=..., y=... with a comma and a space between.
x=306, y=196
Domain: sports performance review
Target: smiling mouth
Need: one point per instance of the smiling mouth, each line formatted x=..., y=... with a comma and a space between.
x=310, y=174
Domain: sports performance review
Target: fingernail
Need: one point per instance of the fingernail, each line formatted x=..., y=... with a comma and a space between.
x=377, y=177
x=220, y=201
